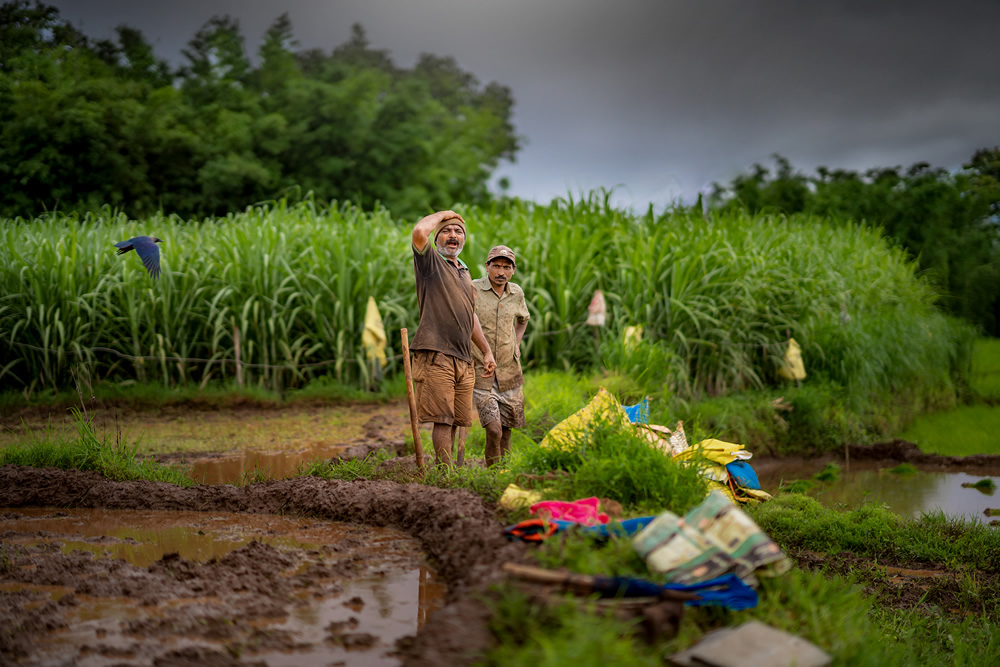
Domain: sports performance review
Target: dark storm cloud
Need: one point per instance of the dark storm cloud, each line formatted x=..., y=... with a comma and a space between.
x=663, y=97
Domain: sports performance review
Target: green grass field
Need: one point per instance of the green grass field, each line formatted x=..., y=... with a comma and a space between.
x=967, y=429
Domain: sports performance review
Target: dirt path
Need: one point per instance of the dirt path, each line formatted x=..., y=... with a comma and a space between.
x=455, y=528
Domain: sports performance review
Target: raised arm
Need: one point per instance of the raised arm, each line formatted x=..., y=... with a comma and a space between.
x=425, y=227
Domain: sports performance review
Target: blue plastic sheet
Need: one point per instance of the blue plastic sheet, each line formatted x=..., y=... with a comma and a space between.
x=743, y=474
x=638, y=413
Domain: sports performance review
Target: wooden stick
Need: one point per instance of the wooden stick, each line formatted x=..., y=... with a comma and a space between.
x=239, y=366
x=411, y=399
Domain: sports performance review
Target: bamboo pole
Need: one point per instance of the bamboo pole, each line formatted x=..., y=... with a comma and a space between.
x=239, y=366
x=411, y=399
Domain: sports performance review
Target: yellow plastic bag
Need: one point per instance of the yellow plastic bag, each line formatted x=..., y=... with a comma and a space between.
x=717, y=451
x=514, y=497
x=373, y=337
x=792, y=368
x=602, y=406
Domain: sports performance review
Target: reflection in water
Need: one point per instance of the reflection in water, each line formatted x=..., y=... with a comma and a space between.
x=907, y=495
x=247, y=464
x=394, y=603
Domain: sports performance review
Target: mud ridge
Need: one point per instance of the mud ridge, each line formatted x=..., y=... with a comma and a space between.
x=456, y=528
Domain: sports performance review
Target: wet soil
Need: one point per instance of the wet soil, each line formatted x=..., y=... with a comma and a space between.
x=460, y=534
x=454, y=527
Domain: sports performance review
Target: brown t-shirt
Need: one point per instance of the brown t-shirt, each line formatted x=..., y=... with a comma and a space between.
x=447, y=301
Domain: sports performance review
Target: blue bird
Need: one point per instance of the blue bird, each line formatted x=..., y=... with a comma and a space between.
x=145, y=246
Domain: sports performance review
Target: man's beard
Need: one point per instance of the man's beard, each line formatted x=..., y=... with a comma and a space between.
x=447, y=251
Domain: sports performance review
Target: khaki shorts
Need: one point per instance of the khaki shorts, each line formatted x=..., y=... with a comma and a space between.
x=443, y=387
x=506, y=406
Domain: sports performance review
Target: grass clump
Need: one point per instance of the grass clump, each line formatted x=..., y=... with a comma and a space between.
x=114, y=458
x=608, y=462
x=872, y=531
x=985, y=484
x=829, y=473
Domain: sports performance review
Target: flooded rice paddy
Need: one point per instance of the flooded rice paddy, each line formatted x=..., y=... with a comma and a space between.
x=355, y=590
x=907, y=494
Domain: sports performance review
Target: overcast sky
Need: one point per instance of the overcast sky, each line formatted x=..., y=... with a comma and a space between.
x=659, y=98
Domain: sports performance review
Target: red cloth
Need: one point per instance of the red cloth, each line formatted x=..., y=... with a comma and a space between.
x=579, y=511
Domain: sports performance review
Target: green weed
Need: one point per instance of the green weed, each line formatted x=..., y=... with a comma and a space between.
x=112, y=456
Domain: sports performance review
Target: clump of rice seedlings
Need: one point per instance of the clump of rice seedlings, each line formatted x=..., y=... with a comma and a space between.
x=829, y=473
x=797, y=486
x=904, y=469
x=985, y=484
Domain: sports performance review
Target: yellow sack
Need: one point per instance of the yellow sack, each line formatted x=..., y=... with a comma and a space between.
x=373, y=337
x=717, y=451
x=602, y=406
x=792, y=368
x=514, y=497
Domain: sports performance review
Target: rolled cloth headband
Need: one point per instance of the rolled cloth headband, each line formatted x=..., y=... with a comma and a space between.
x=450, y=221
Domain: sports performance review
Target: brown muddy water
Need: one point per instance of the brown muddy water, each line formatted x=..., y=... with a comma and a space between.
x=373, y=587
x=234, y=468
x=908, y=495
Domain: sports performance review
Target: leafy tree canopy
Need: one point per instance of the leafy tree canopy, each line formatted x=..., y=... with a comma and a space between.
x=89, y=123
x=949, y=221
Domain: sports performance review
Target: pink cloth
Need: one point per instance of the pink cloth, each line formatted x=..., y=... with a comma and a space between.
x=579, y=511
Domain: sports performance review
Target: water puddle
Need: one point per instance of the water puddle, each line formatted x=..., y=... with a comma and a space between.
x=253, y=465
x=905, y=494
x=354, y=591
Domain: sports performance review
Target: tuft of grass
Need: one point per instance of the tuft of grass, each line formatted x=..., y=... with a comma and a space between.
x=112, y=457
x=607, y=462
x=872, y=531
x=985, y=484
x=829, y=473
x=904, y=469
x=797, y=486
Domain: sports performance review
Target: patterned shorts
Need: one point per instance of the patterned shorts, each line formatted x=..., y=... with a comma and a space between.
x=505, y=406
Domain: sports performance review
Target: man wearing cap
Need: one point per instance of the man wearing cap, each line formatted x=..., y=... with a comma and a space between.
x=442, y=349
x=503, y=315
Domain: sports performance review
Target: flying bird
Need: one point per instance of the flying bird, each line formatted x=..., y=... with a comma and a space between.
x=145, y=246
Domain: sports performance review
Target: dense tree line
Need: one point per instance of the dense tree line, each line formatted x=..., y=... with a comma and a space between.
x=87, y=123
x=949, y=221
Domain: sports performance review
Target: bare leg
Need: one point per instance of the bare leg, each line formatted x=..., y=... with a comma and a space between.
x=460, y=456
x=505, y=442
x=444, y=439
x=493, y=436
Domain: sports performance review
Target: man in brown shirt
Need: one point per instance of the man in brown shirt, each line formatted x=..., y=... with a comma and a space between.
x=503, y=315
x=442, y=352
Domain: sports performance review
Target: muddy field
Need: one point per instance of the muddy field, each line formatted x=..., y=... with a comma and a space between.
x=216, y=611
x=454, y=528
